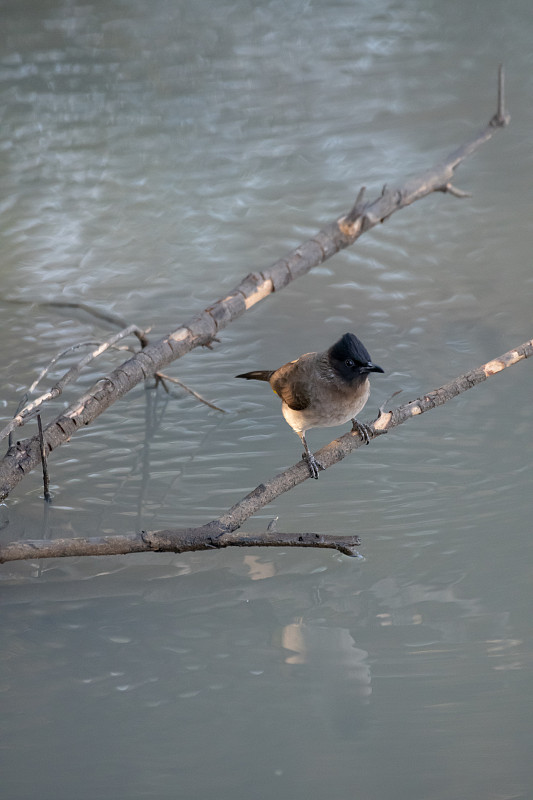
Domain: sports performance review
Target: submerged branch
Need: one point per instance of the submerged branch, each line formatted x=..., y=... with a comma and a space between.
x=222, y=533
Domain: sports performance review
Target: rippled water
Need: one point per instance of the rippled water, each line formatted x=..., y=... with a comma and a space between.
x=151, y=156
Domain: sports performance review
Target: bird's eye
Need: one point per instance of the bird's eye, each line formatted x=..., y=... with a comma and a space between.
x=350, y=363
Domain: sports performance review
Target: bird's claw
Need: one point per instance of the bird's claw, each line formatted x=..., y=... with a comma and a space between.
x=314, y=465
x=366, y=432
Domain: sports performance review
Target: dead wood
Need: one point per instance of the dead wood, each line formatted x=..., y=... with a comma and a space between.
x=173, y=541
x=163, y=377
x=46, y=479
x=222, y=532
x=202, y=329
x=30, y=409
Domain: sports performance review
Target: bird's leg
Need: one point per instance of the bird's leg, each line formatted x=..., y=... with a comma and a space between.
x=366, y=432
x=314, y=465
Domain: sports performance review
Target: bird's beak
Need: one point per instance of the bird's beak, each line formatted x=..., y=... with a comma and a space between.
x=370, y=367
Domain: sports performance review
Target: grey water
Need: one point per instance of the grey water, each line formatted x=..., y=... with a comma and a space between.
x=152, y=154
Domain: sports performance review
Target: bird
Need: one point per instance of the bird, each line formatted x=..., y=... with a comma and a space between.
x=319, y=390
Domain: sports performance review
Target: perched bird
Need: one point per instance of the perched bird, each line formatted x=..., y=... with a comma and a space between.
x=319, y=390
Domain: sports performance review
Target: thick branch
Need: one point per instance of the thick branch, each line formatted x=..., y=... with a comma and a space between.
x=222, y=532
x=202, y=329
x=172, y=541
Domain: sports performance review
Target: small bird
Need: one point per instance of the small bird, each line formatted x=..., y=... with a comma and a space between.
x=319, y=390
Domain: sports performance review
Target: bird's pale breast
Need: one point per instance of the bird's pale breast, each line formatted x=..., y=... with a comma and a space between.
x=323, y=413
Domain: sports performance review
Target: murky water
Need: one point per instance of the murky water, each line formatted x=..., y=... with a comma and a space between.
x=151, y=156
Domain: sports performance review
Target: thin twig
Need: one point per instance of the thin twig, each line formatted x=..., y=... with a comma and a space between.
x=502, y=117
x=46, y=480
x=22, y=402
x=455, y=192
x=29, y=410
x=56, y=358
x=164, y=377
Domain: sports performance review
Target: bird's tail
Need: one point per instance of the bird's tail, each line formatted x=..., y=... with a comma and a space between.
x=257, y=375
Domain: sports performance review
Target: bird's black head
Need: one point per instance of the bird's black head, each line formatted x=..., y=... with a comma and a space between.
x=350, y=358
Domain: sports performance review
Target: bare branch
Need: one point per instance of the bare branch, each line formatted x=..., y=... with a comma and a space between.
x=453, y=190
x=202, y=329
x=501, y=118
x=222, y=532
x=31, y=408
x=46, y=480
x=164, y=377
x=338, y=449
x=172, y=541
x=437, y=179
x=71, y=349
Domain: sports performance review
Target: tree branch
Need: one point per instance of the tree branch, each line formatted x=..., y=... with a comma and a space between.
x=162, y=376
x=221, y=532
x=339, y=448
x=203, y=328
x=31, y=409
x=173, y=541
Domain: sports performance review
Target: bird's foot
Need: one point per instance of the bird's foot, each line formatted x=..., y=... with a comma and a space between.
x=314, y=465
x=366, y=432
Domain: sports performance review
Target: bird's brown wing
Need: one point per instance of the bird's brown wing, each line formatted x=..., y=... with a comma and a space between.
x=290, y=382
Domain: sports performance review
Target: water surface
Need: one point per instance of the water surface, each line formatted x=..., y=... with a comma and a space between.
x=152, y=155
